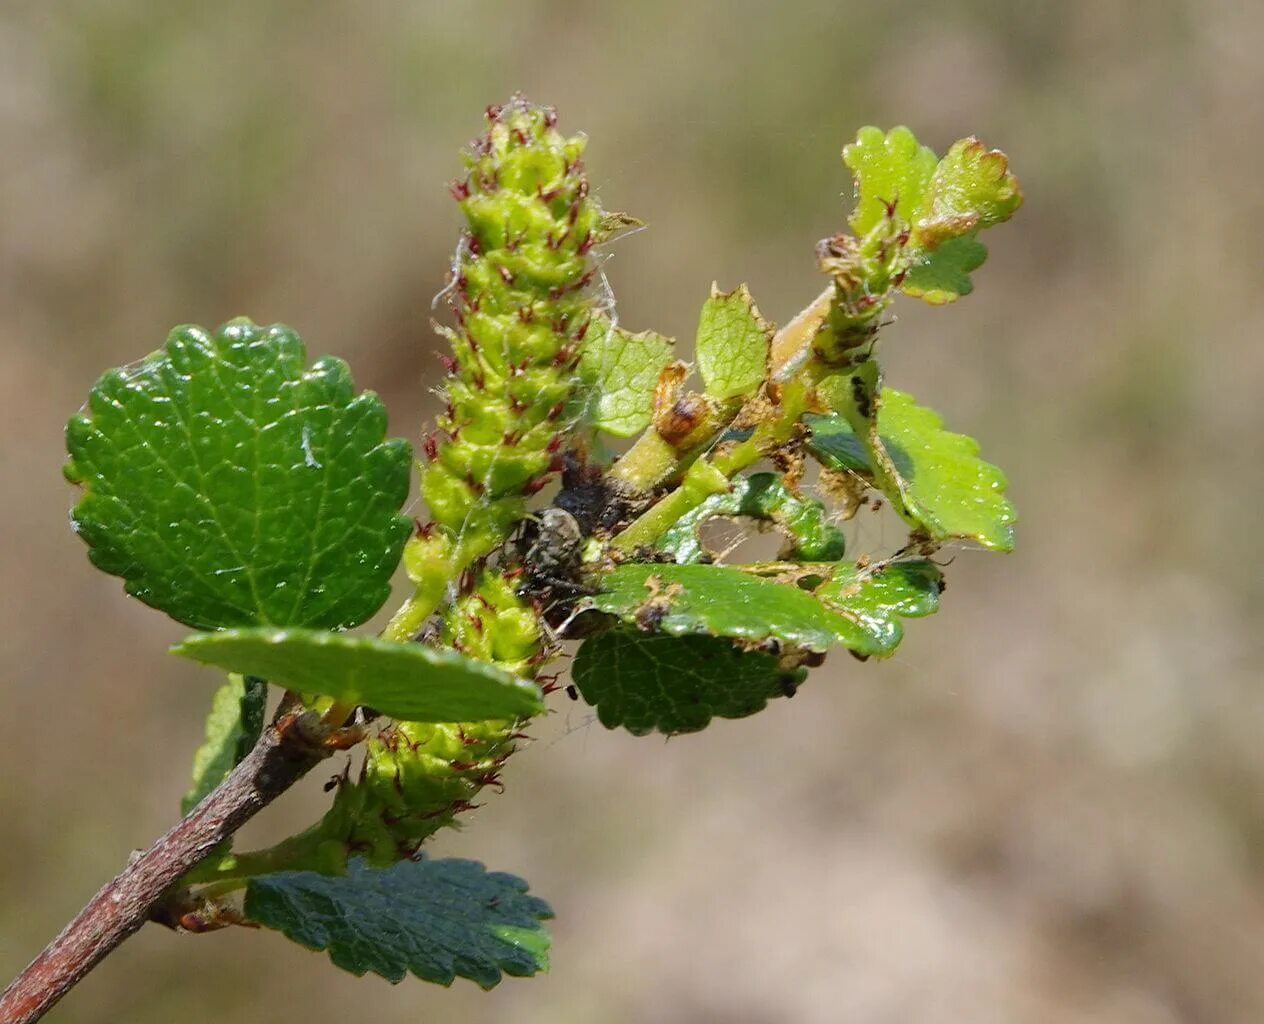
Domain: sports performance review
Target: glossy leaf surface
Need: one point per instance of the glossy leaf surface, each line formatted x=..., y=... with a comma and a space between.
x=725, y=601
x=229, y=484
x=972, y=188
x=407, y=681
x=879, y=597
x=934, y=477
x=761, y=496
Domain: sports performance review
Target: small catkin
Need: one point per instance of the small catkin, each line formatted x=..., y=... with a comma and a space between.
x=418, y=777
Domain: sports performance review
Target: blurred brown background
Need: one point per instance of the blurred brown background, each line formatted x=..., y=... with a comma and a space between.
x=1048, y=808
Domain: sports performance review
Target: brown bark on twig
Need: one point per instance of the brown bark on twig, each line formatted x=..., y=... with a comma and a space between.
x=287, y=751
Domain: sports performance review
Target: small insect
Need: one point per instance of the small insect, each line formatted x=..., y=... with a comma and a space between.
x=651, y=615
x=860, y=395
x=555, y=547
x=551, y=546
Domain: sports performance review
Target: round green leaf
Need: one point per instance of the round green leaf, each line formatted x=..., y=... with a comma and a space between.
x=972, y=188
x=405, y=681
x=942, y=275
x=229, y=485
x=948, y=489
x=675, y=684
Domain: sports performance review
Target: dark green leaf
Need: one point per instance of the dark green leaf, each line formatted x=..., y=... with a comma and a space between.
x=407, y=681
x=439, y=919
x=232, y=729
x=228, y=485
x=835, y=445
x=675, y=684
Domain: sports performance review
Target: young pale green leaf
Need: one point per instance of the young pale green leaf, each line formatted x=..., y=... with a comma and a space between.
x=763, y=496
x=880, y=595
x=228, y=485
x=619, y=370
x=733, y=343
x=727, y=601
x=675, y=684
x=934, y=478
x=405, y=681
x=890, y=168
x=972, y=188
x=439, y=919
x=232, y=729
x=948, y=490
x=942, y=275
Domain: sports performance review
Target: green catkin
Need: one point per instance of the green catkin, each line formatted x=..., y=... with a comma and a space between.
x=418, y=777
x=522, y=305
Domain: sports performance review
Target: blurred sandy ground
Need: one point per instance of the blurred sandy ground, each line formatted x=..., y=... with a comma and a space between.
x=1048, y=808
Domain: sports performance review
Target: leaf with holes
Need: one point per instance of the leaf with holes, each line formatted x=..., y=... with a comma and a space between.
x=619, y=370
x=732, y=344
x=230, y=485
x=879, y=596
x=438, y=919
x=675, y=684
x=742, y=604
x=232, y=729
x=406, y=681
x=765, y=497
